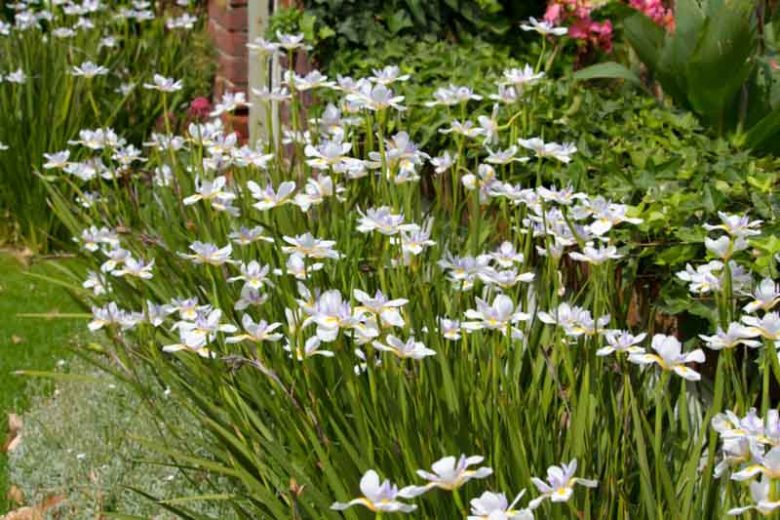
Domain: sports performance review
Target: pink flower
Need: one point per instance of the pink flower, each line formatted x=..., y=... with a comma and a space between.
x=598, y=34
x=603, y=34
x=582, y=10
x=656, y=11
x=579, y=29
x=200, y=107
x=576, y=13
x=554, y=13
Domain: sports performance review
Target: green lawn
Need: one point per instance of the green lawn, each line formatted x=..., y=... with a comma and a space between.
x=28, y=343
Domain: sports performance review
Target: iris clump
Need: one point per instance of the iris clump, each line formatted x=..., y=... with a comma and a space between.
x=334, y=302
x=68, y=71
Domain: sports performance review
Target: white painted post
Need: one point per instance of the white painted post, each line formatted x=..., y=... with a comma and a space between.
x=259, y=75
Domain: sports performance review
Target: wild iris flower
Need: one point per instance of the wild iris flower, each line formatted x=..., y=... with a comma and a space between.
x=209, y=191
x=760, y=493
x=253, y=274
x=330, y=313
x=520, y=77
x=767, y=464
x=669, y=356
x=575, y=321
x=765, y=296
x=560, y=152
x=379, y=305
x=596, y=255
x=306, y=245
x=559, y=486
x=495, y=506
x=268, y=198
x=499, y=315
x=389, y=74
x=409, y=349
x=135, y=268
x=244, y=236
x=543, y=27
x=737, y=226
x=382, y=220
x=58, y=160
x=736, y=334
x=377, y=496
x=89, y=70
x=449, y=329
x=256, y=332
x=768, y=326
x=164, y=84
x=450, y=473
x=621, y=341
x=230, y=102
x=205, y=253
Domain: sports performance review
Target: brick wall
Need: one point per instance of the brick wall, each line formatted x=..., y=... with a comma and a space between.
x=228, y=30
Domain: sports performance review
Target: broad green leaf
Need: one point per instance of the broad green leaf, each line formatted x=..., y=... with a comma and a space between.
x=607, y=70
x=645, y=37
x=722, y=62
x=679, y=46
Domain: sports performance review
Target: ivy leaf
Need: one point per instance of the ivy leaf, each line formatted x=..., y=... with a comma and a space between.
x=761, y=205
x=306, y=26
x=679, y=254
x=325, y=32
x=398, y=21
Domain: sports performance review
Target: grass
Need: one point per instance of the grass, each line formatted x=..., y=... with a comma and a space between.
x=28, y=343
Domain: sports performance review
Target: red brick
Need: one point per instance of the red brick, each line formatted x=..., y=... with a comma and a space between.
x=239, y=123
x=233, y=68
x=227, y=3
x=222, y=85
x=228, y=42
x=231, y=18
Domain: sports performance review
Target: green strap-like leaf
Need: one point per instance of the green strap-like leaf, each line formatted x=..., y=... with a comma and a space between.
x=759, y=137
x=607, y=70
x=645, y=37
x=722, y=62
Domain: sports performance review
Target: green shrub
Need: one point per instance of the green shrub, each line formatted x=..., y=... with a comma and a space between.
x=339, y=26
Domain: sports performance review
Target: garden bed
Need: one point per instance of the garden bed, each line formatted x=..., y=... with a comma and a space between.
x=458, y=256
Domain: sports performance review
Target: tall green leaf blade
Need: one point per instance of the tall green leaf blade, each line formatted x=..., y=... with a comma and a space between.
x=759, y=137
x=722, y=62
x=680, y=45
x=646, y=38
